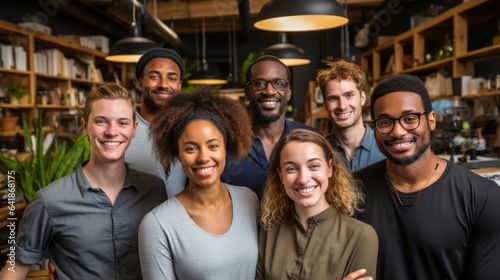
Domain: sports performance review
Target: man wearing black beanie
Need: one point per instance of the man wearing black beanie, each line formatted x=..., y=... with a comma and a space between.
x=159, y=74
x=435, y=219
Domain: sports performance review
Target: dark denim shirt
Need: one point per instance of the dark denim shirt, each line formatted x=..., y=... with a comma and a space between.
x=86, y=235
x=251, y=171
x=364, y=155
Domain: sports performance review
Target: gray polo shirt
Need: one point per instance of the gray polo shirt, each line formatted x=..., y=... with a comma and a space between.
x=88, y=237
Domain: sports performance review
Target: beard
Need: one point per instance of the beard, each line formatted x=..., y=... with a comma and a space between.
x=262, y=117
x=150, y=103
x=410, y=159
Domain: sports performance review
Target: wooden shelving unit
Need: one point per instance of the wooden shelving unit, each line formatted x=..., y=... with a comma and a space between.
x=413, y=45
x=31, y=80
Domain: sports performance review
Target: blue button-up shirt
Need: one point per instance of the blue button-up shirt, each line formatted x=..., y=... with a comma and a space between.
x=364, y=155
x=251, y=171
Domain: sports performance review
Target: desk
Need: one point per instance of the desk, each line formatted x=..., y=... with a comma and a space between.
x=492, y=173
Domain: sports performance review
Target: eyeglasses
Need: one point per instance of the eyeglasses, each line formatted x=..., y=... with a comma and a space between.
x=261, y=84
x=409, y=121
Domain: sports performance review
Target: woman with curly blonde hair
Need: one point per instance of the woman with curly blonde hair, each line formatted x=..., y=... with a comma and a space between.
x=208, y=230
x=308, y=231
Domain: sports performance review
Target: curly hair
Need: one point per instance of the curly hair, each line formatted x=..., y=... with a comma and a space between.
x=109, y=91
x=204, y=103
x=341, y=70
x=343, y=190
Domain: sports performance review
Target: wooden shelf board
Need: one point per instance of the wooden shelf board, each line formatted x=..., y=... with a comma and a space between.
x=493, y=50
x=52, y=106
x=16, y=106
x=14, y=71
x=447, y=62
x=49, y=41
x=45, y=129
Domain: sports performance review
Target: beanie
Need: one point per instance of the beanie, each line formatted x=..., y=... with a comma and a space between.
x=159, y=52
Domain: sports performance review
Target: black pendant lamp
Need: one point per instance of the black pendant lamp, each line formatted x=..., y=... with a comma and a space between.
x=233, y=85
x=206, y=76
x=130, y=49
x=300, y=15
x=289, y=54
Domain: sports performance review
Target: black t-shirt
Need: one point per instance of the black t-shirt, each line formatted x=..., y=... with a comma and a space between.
x=451, y=232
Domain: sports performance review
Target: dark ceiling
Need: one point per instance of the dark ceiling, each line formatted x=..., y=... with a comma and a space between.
x=184, y=17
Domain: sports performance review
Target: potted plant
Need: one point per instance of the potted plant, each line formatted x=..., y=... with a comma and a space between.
x=17, y=93
x=8, y=123
x=42, y=168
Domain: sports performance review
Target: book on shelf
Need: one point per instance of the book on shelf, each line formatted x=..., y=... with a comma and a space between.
x=54, y=62
x=13, y=57
x=7, y=56
x=81, y=97
x=96, y=42
x=20, y=58
x=97, y=75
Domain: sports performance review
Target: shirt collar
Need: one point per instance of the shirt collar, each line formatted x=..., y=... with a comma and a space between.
x=329, y=213
x=84, y=184
x=323, y=216
x=368, y=140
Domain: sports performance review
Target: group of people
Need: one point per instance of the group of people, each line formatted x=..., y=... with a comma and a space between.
x=257, y=196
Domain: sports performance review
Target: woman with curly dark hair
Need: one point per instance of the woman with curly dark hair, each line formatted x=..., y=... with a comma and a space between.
x=307, y=229
x=209, y=230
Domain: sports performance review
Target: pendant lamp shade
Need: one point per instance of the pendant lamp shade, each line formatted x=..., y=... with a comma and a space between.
x=289, y=54
x=301, y=15
x=130, y=49
x=206, y=76
x=233, y=85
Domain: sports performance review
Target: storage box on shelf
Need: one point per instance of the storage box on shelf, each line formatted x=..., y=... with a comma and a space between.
x=424, y=49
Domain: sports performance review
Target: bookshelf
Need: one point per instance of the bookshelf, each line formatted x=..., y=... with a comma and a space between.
x=56, y=72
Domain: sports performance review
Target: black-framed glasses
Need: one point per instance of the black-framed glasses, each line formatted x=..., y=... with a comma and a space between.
x=408, y=121
x=261, y=84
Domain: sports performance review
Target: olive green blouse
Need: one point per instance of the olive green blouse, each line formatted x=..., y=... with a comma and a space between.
x=332, y=246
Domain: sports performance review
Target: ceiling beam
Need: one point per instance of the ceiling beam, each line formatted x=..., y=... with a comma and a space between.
x=180, y=10
x=185, y=15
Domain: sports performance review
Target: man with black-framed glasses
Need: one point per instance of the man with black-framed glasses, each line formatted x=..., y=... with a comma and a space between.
x=434, y=219
x=268, y=90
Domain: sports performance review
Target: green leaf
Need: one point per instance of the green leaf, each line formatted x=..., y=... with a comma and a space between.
x=41, y=168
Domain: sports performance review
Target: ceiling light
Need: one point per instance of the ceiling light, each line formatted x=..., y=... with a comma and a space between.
x=233, y=85
x=300, y=15
x=130, y=49
x=289, y=54
x=206, y=76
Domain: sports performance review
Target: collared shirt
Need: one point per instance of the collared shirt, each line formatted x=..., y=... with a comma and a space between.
x=365, y=154
x=332, y=246
x=251, y=171
x=87, y=236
